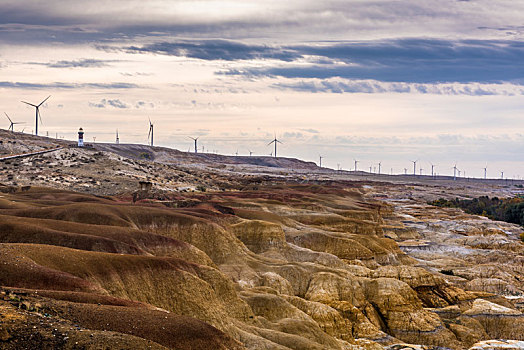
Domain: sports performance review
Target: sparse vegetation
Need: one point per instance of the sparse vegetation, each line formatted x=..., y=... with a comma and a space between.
x=144, y=155
x=503, y=209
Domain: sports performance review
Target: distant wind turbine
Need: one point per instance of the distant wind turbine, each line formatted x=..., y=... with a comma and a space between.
x=455, y=171
x=379, y=167
x=12, y=125
x=117, y=141
x=37, y=108
x=414, y=167
x=250, y=153
x=502, y=175
x=151, y=132
x=485, y=172
x=320, y=163
x=275, y=141
x=356, y=163
x=432, y=167
x=195, y=139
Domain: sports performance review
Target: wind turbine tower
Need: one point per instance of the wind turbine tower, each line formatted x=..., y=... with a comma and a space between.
x=356, y=163
x=379, y=166
x=455, y=172
x=485, y=172
x=320, y=163
x=195, y=139
x=414, y=167
x=37, y=108
x=151, y=132
x=117, y=141
x=275, y=141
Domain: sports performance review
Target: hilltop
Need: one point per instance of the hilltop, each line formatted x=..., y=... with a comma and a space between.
x=110, y=169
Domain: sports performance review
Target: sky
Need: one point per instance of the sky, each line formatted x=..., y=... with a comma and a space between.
x=376, y=81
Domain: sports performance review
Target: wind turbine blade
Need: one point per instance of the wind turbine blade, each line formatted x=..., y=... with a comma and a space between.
x=39, y=115
x=278, y=141
x=27, y=103
x=41, y=103
x=8, y=117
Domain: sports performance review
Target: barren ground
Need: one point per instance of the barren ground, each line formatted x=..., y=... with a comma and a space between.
x=245, y=252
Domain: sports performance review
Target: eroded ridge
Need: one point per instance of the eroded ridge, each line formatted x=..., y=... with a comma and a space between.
x=269, y=264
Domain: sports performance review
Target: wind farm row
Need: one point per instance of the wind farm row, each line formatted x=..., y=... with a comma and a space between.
x=375, y=168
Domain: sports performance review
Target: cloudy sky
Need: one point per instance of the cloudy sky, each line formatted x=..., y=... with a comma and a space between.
x=389, y=81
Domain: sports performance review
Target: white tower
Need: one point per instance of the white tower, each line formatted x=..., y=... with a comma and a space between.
x=81, y=137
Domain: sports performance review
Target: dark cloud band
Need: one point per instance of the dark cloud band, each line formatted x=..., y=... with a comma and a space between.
x=401, y=60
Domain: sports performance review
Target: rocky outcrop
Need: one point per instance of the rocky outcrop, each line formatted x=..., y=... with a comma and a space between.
x=498, y=321
x=304, y=267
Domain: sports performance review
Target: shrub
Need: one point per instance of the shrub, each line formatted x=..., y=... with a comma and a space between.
x=506, y=209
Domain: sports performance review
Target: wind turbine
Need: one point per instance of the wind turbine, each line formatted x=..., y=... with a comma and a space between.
x=37, y=107
x=432, y=167
x=414, y=166
x=150, y=134
x=405, y=171
x=12, y=126
x=455, y=171
x=379, y=166
x=117, y=141
x=320, y=163
x=485, y=171
x=195, y=139
x=356, y=163
x=421, y=171
x=250, y=153
x=275, y=141
x=502, y=175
